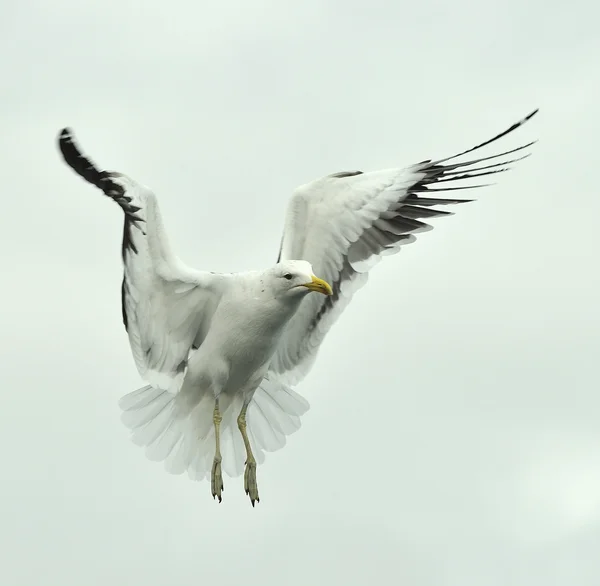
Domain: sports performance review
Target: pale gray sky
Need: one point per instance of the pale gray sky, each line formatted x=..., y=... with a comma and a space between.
x=453, y=436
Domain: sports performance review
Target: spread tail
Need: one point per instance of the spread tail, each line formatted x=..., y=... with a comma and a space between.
x=182, y=435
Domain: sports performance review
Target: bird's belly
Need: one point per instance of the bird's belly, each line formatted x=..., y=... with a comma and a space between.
x=235, y=358
x=248, y=358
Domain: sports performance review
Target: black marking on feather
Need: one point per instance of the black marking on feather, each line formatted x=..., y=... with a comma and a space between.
x=417, y=212
x=455, y=176
x=492, y=166
x=329, y=301
x=417, y=203
x=343, y=174
x=421, y=188
x=405, y=224
x=495, y=138
x=280, y=247
x=123, y=312
x=432, y=201
x=437, y=172
x=446, y=168
x=103, y=180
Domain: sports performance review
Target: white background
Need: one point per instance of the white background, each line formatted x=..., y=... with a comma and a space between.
x=453, y=436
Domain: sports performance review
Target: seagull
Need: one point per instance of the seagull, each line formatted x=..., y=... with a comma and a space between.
x=224, y=350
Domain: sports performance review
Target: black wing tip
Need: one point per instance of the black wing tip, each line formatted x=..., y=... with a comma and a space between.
x=525, y=119
x=84, y=167
x=67, y=145
x=66, y=136
x=488, y=142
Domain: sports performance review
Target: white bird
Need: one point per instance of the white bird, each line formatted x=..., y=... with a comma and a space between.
x=218, y=349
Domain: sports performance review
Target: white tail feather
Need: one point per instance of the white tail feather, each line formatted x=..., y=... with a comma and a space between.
x=181, y=433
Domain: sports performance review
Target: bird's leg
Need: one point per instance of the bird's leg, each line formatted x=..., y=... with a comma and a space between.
x=216, y=479
x=250, y=485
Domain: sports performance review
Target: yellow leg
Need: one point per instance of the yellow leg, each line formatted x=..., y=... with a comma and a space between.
x=216, y=478
x=250, y=485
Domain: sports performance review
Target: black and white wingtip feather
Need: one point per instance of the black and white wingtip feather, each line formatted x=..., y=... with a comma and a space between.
x=103, y=180
x=494, y=139
x=439, y=171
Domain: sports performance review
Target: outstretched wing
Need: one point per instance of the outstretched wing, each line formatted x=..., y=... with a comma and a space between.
x=344, y=223
x=167, y=307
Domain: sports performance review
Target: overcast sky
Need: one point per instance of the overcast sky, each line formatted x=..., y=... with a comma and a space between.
x=453, y=437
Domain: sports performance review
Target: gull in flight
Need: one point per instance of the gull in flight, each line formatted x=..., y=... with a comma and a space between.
x=220, y=352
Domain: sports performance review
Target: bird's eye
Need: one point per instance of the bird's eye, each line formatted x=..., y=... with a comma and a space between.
x=287, y=276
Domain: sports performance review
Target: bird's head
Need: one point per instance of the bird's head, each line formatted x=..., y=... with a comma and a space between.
x=296, y=277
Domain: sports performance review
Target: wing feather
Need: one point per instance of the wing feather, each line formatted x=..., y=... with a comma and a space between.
x=344, y=223
x=167, y=307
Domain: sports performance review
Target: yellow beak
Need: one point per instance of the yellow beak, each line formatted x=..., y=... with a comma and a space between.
x=319, y=286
